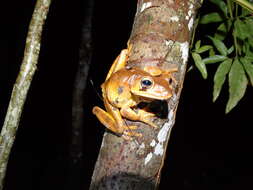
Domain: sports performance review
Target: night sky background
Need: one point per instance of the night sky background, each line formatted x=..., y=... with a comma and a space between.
x=208, y=150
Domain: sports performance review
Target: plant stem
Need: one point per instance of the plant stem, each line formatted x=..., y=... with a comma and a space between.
x=234, y=36
x=22, y=84
x=229, y=3
x=245, y=4
x=236, y=10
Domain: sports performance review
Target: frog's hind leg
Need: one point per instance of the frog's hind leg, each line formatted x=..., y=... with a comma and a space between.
x=110, y=123
x=106, y=119
x=122, y=127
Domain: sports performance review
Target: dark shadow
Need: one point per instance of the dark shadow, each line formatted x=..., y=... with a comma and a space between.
x=160, y=108
x=124, y=181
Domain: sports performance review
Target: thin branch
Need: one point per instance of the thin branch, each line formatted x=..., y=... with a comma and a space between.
x=22, y=84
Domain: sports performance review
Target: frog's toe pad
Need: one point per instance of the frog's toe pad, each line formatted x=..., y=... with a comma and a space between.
x=126, y=137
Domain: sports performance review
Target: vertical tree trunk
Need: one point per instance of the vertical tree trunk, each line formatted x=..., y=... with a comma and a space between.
x=160, y=37
x=85, y=53
x=78, y=101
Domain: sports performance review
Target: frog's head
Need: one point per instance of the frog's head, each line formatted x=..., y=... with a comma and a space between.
x=150, y=87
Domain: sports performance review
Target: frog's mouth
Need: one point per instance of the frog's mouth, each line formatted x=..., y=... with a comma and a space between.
x=148, y=97
x=145, y=99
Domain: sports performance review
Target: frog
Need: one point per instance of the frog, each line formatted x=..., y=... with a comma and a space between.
x=124, y=88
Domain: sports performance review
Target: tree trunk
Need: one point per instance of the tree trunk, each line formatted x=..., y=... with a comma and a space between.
x=160, y=37
x=76, y=147
x=85, y=54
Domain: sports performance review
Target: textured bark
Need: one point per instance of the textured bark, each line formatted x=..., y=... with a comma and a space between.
x=22, y=84
x=160, y=36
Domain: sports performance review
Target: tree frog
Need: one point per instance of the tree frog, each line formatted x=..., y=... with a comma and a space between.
x=124, y=88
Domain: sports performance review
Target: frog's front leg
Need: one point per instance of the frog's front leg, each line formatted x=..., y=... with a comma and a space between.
x=137, y=115
x=120, y=61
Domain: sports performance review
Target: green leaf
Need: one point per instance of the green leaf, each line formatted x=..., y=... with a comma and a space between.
x=245, y=12
x=249, y=54
x=250, y=57
x=220, y=77
x=245, y=47
x=199, y=64
x=249, y=23
x=242, y=31
x=231, y=49
x=248, y=66
x=221, y=5
x=220, y=46
x=237, y=84
x=211, y=18
x=250, y=41
x=214, y=59
x=204, y=48
x=211, y=52
x=223, y=30
x=197, y=45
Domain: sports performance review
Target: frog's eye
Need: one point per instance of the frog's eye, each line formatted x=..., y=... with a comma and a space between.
x=146, y=83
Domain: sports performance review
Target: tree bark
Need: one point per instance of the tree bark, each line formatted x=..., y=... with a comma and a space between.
x=22, y=84
x=76, y=148
x=160, y=37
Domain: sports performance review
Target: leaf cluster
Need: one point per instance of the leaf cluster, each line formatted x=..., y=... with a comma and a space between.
x=230, y=47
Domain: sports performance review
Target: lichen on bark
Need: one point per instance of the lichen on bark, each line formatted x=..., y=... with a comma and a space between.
x=160, y=37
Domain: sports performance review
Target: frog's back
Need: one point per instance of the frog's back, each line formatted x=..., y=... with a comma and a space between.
x=116, y=89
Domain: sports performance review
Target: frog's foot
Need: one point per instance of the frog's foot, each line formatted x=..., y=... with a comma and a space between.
x=129, y=133
x=153, y=70
x=147, y=118
x=130, y=127
x=109, y=122
x=138, y=115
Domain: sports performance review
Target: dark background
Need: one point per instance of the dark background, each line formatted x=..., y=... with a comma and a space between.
x=207, y=150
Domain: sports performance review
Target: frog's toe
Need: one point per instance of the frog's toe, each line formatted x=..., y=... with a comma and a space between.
x=129, y=134
x=148, y=120
x=130, y=127
x=153, y=125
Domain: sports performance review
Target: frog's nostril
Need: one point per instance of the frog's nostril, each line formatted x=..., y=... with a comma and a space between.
x=170, y=81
